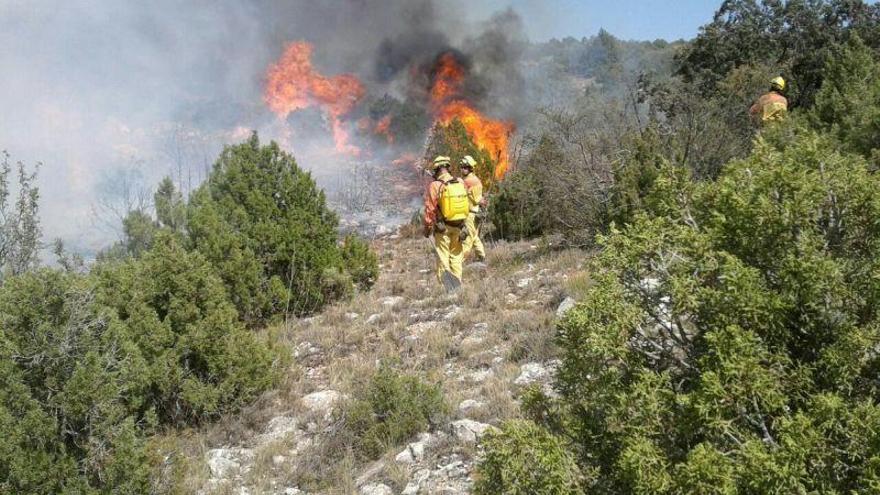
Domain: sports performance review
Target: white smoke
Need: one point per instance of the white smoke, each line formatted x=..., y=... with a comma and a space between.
x=94, y=87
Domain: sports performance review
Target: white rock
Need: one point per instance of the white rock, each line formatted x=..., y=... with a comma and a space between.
x=472, y=340
x=478, y=376
x=565, y=306
x=469, y=405
x=278, y=460
x=293, y=491
x=422, y=327
x=305, y=349
x=279, y=427
x=524, y=282
x=376, y=489
x=322, y=402
x=352, y=316
x=225, y=463
x=451, y=312
x=391, y=301
x=412, y=488
x=373, y=318
x=413, y=452
x=405, y=457
x=481, y=327
x=531, y=373
x=469, y=431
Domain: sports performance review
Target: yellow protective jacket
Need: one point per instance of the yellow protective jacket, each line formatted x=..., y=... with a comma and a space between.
x=772, y=107
x=432, y=200
x=475, y=191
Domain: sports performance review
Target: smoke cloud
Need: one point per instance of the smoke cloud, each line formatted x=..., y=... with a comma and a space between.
x=101, y=89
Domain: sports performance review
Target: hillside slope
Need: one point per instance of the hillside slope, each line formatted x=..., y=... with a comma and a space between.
x=482, y=346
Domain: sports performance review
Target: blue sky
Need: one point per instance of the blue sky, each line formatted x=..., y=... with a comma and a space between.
x=628, y=19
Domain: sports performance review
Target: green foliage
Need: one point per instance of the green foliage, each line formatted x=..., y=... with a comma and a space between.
x=520, y=210
x=848, y=105
x=264, y=224
x=19, y=221
x=170, y=206
x=795, y=37
x=727, y=342
x=71, y=381
x=408, y=119
x=524, y=459
x=391, y=409
x=140, y=229
x=359, y=261
x=91, y=364
x=198, y=360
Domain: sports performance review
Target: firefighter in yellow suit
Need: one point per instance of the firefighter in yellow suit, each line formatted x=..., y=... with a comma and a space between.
x=773, y=106
x=447, y=236
x=475, y=198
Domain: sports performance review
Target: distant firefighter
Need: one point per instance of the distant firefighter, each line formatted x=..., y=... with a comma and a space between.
x=773, y=106
x=475, y=200
x=446, y=209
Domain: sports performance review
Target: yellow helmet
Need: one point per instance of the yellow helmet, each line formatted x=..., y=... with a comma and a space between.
x=468, y=161
x=440, y=161
x=778, y=83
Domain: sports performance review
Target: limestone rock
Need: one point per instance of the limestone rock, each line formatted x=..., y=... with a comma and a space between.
x=470, y=405
x=469, y=431
x=376, y=489
x=531, y=373
x=322, y=402
x=565, y=306
x=391, y=301
x=226, y=463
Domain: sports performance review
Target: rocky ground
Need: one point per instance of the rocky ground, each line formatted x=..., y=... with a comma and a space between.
x=484, y=345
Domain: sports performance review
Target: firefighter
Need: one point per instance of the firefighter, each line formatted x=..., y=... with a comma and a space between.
x=445, y=213
x=475, y=200
x=773, y=106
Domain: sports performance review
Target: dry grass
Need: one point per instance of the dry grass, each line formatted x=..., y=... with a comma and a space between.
x=471, y=343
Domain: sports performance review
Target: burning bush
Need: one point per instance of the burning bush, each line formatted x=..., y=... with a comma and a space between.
x=454, y=141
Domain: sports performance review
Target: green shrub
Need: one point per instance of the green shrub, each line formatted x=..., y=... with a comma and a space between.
x=264, y=224
x=391, y=409
x=524, y=459
x=516, y=211
x=71, y=381
x=197, y=359
x=848, y=104
x=359, y=261
x=728, y=342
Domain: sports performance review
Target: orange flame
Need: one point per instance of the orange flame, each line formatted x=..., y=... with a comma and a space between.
x=448, y=104
x=383, y=128
x=292, y=84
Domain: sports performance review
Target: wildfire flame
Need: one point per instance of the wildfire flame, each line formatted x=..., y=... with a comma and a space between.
x=292, y=84
x=448, y=103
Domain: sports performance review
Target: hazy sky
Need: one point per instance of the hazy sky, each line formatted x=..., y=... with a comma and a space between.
x=628, y=19
x=92, y=87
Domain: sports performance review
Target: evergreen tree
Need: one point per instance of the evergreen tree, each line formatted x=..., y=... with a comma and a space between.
x=265, y=226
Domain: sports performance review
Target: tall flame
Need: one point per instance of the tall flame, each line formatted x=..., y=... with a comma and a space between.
x=292, y=84
x=448, y=103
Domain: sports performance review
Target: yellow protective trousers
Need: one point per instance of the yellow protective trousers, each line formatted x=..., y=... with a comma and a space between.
x=448, y=247
x=473, y=241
